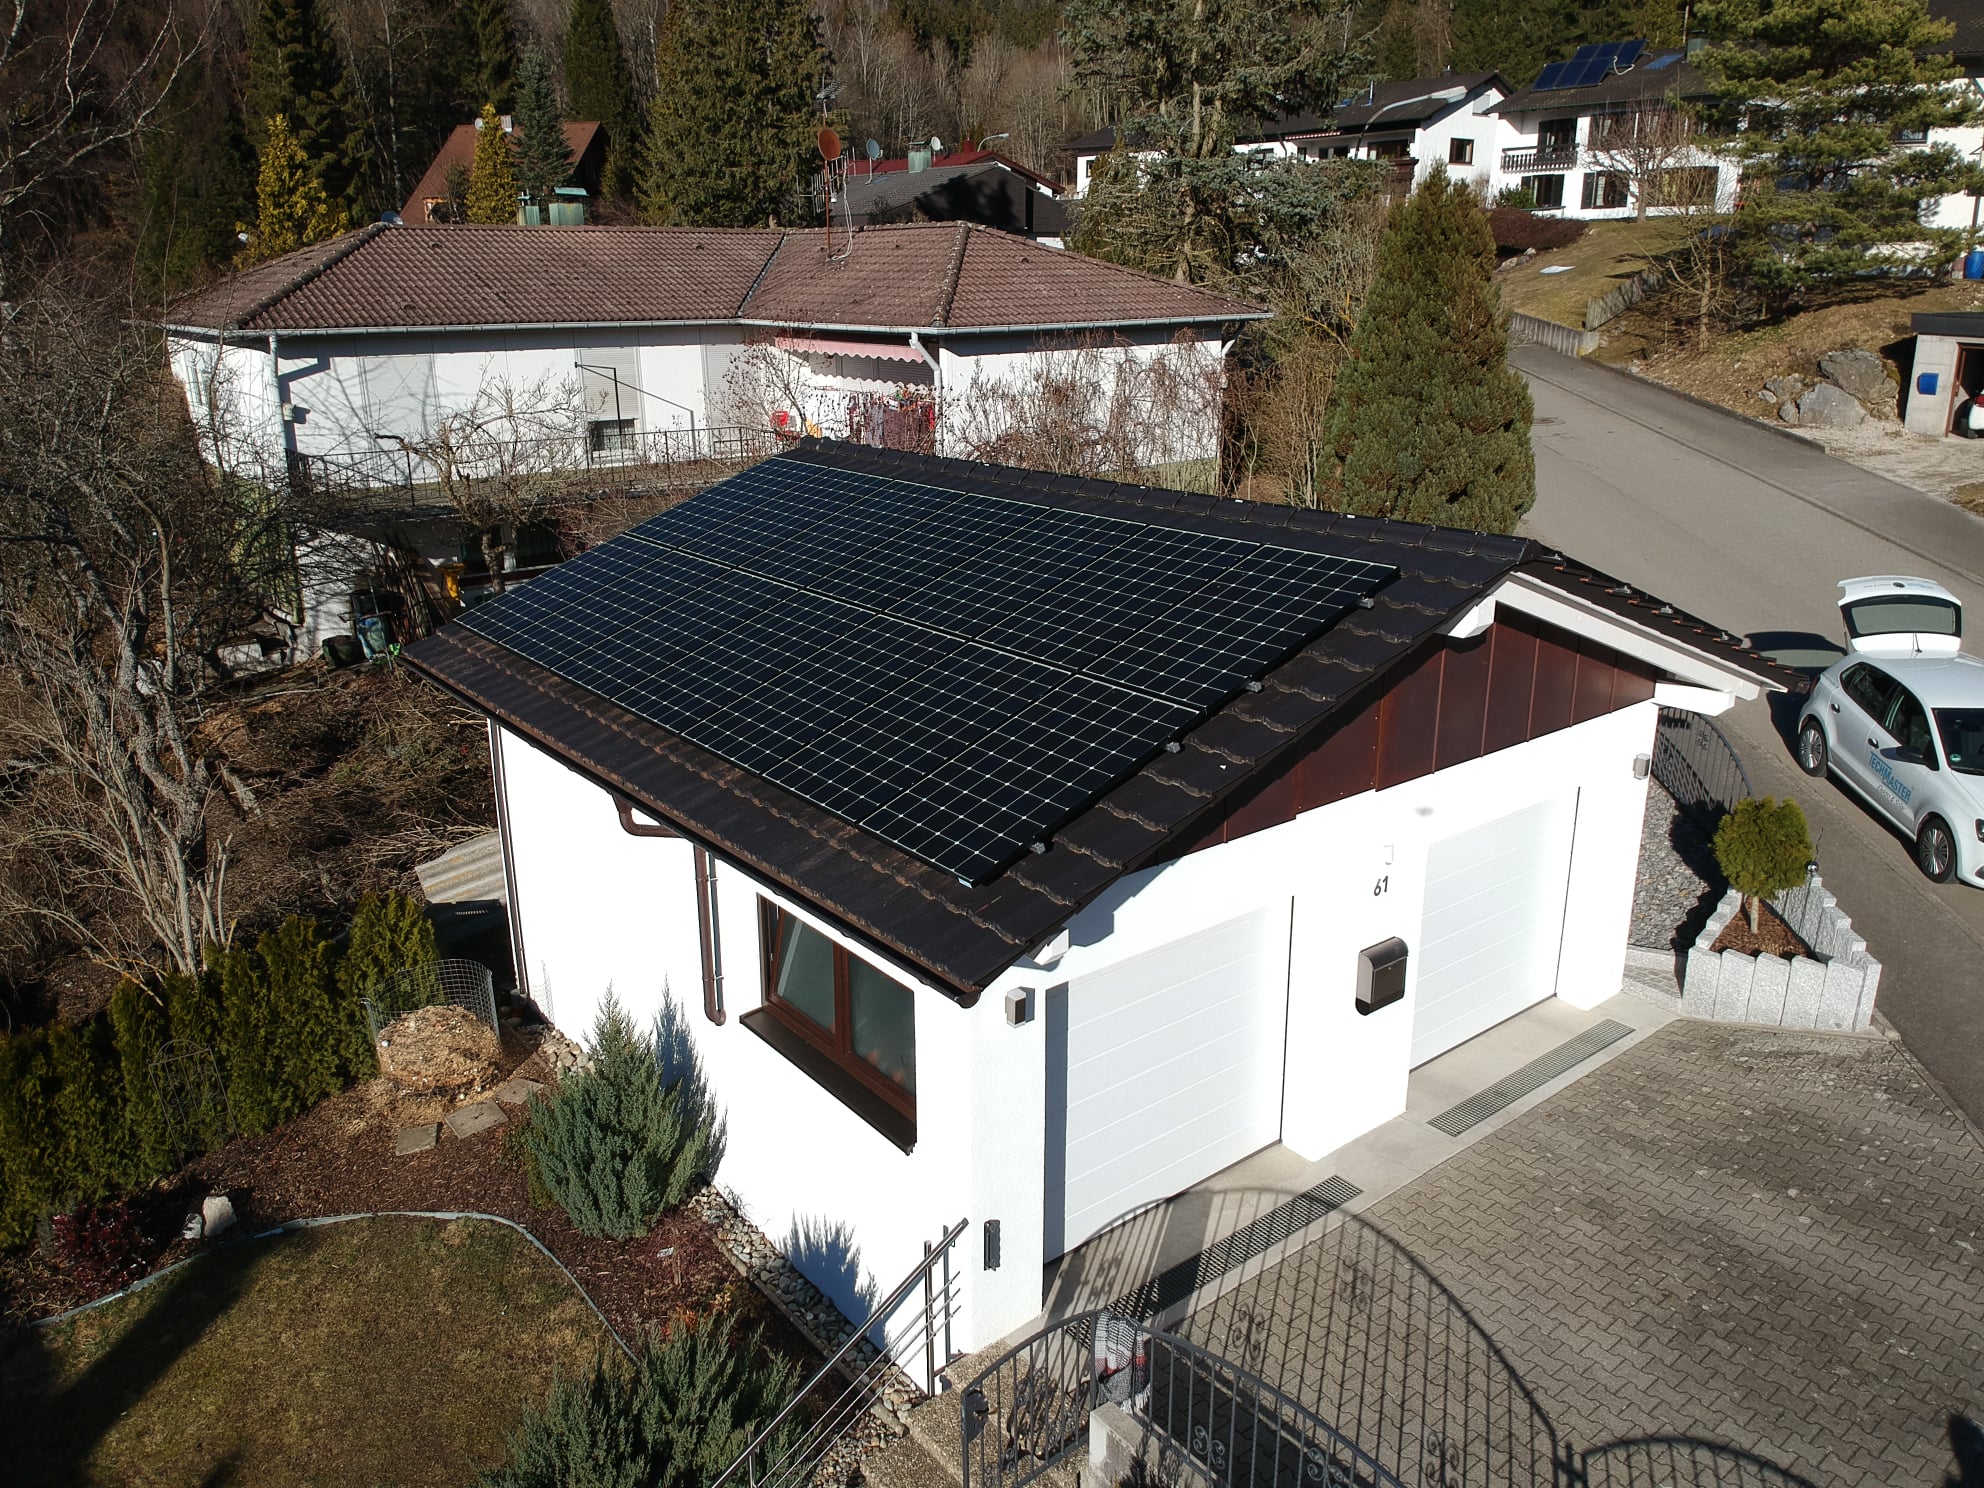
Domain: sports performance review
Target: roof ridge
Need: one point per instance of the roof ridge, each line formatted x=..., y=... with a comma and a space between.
x=947, y=296
x=316, y=271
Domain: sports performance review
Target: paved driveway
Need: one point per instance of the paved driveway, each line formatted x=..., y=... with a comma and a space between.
x=1752, y=530
x=1772, y=1241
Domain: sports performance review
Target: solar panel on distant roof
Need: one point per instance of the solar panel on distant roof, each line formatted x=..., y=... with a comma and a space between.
x=1552, y=77
x=955, y=672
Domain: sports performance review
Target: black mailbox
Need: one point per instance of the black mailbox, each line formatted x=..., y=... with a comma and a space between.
x=1380, y=975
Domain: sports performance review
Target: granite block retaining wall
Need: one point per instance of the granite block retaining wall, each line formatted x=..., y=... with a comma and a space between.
x=1831, y=990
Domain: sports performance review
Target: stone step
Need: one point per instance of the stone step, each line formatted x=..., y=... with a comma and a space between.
x=469, y=871
x=904, y=1464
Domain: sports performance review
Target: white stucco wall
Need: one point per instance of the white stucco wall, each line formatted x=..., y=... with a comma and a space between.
x=599, y=908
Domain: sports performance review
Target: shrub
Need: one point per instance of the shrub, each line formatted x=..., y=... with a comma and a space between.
x=245, y=1048
x=139, y=1024
x=305, y=1030
x=29, y=1162
x=1516, y=198
x=623, y=1141
x=1516, y=230
x=1763, y=848
x=193, y=1014
x=93, y=1139
x=101, y=1246
x=675, y=1419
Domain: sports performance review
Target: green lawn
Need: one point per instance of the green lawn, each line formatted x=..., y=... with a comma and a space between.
x=388, y=1351
x=1597, y=263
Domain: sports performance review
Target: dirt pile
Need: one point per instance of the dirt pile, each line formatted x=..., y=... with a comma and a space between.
x=438, y=1051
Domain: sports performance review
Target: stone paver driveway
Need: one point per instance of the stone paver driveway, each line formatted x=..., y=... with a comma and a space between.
x=1768, y=1240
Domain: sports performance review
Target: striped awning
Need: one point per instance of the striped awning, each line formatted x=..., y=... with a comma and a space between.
x=893, y=351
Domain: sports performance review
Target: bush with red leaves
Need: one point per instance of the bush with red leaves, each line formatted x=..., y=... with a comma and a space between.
x=101, y=1246
x=1516, y=230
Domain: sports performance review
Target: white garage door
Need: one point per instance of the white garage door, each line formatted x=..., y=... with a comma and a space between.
x=1494, y=921
x=1161, y=1070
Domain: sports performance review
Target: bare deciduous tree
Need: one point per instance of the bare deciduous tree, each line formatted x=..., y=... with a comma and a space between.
x=1697, y=266
x=1644, y=145
x=124, y=562
x=506, y=458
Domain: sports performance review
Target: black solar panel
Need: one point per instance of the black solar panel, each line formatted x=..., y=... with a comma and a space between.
x=955, y=672
x=1589, y=65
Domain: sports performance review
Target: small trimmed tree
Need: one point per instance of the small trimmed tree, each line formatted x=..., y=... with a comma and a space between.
x=193, y=1012
x=1763, y=847
x=306, y=1034
x=1428, y=422
x=138, y=1021
x=675, y=1419
x=245, y=1047
x=388, y=936
x=622, y=1142
x=492, y=176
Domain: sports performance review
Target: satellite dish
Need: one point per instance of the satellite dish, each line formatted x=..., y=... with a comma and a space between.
x=829, y=145
x=936, y=145
x=873, y=149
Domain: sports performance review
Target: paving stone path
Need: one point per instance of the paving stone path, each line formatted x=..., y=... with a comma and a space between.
x=1764, y=1239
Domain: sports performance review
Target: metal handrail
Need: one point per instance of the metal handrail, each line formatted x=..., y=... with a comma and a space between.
x=1706, y=781
x=917, y=1277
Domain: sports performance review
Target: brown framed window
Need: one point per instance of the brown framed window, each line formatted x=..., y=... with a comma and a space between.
x=848, y=1025
x=1460, y=152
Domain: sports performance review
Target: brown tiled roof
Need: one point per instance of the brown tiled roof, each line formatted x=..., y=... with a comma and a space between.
x=963, y=937
x=459, y=149
x=935, y=275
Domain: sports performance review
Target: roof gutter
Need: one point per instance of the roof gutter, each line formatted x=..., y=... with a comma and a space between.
x=261, y=337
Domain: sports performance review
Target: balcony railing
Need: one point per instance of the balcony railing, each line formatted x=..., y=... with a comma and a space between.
x=1542, y=158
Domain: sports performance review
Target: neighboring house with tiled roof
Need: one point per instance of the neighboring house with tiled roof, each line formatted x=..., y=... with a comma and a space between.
x=1029, y=849
x=429, y=201
x=928, y=335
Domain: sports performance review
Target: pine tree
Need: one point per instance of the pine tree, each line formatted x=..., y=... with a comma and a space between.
x=544, y=160
x=296, y=72
x=291, y=208
x=732, y=129
x=494, y=41
x=597, y=86
x=1825, y=92
x=492, y=178
x=1428, y=422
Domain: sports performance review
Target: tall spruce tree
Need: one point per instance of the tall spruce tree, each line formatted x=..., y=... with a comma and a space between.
x=544, y=160
x=494, y=47
x=1428, y=422
x=196, y=186
x=297, y=72
x=492, y=178
x=597, y=86
x=732, y=129
x=1819, y=97
x=291, y=209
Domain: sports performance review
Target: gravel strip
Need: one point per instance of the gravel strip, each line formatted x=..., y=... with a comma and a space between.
x=1678, y=882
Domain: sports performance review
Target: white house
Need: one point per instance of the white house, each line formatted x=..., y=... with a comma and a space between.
x=1028, y=849
x=1420, y=123
x=631, y=341
x=1591, y=135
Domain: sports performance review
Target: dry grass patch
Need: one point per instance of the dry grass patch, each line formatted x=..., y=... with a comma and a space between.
x=387, y=1351
x=1596, y=264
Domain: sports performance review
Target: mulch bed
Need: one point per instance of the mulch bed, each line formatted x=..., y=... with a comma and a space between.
x=1772, y=938
x=337, y=1158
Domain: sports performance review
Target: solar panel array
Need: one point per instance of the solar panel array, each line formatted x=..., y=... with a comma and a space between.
x=1590, y=64
x=955, y=672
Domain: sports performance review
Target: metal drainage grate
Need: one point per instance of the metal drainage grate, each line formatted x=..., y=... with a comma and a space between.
x=1170, y=1287
x=1532, y=1076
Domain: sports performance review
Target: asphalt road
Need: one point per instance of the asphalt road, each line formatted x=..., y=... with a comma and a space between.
x=1752, y=529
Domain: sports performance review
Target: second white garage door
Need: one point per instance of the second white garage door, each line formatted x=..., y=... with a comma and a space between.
x=1493, y=925
x=1162, y=1070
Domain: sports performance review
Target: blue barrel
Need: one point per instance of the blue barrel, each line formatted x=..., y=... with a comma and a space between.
x=1973, y=264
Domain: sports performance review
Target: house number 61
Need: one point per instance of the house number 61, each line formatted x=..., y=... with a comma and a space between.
x=1381, y=885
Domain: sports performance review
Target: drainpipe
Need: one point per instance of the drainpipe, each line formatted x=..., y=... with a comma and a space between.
x=275, y=383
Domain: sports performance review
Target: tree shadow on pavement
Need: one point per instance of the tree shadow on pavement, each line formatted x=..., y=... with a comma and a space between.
x=1967, y=1445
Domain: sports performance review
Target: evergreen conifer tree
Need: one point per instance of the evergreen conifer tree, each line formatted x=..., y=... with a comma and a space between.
x=492, y=178
x=597, y=86
x=29, y=1142
x=732, y=129
x=1428, y=422
x=544, y=160
x=296, y=71
x=247, y=1055
x=93, y=1139
x=494, y=42
x=138, y=1022
x=1825, y=93
x=388, y=935
x=193, y=1017
x=307, y=1037
x=291, y=210
x=196, y=184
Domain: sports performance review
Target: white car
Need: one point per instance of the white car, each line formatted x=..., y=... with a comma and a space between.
x=1900, y=720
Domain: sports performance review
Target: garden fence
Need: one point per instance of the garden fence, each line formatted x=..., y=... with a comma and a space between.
x=466, y=984
x=1698, y=766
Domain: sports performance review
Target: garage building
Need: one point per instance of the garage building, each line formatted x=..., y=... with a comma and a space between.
x=1029, y=848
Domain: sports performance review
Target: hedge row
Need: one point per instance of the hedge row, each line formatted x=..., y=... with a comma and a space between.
x=264, y=1034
